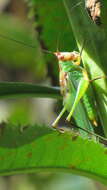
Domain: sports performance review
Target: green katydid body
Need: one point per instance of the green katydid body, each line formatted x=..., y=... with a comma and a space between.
x=69, y=65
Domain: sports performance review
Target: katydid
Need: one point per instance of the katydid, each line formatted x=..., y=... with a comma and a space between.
x=69, y=63
x=69, y=66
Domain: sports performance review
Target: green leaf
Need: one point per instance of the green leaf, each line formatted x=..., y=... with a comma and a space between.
x=20, y=89
x=94, y=56
x=38, y=148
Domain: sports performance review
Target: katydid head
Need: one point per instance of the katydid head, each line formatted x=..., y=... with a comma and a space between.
x=68, y=56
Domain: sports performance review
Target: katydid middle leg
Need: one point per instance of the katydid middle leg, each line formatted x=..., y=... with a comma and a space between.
x=54, y=124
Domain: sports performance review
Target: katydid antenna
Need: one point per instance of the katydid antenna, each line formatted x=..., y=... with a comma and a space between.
x=83, y=45
x=23, y=43
x=76, y=5
x=31, y=46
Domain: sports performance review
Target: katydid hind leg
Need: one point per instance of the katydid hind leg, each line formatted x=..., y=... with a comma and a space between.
x=82, y=87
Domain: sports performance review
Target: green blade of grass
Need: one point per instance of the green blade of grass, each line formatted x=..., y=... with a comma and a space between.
x=20, y=89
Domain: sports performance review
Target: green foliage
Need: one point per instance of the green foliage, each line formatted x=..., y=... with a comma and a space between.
x=27, y=149
x=38, y=148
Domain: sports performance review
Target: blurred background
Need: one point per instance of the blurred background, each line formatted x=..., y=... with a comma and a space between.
x=27, y=21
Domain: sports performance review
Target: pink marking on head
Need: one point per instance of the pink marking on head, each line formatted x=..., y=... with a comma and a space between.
x=59, y=55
